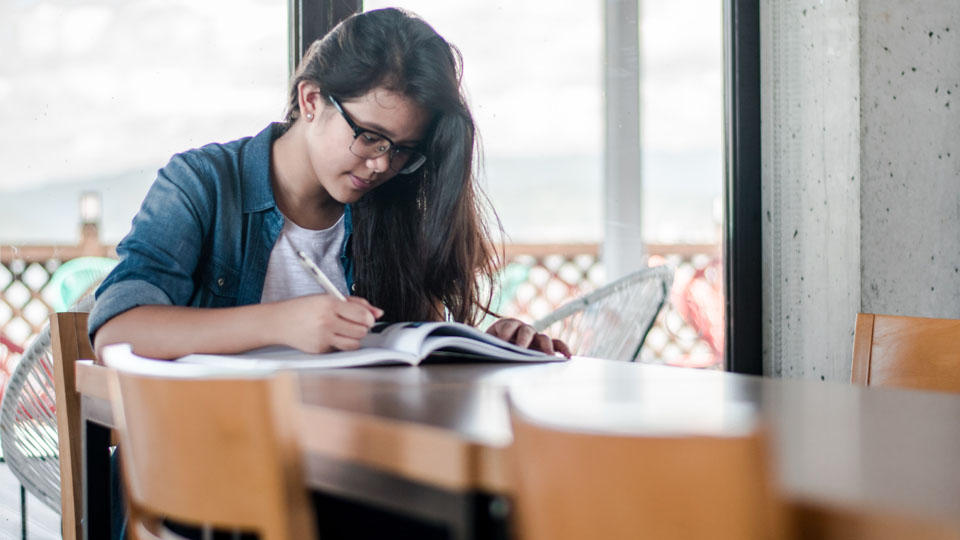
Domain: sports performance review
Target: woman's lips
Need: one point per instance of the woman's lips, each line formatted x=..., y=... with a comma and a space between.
x=360, y=183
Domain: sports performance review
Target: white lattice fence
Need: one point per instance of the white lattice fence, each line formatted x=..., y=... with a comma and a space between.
x=537, y=279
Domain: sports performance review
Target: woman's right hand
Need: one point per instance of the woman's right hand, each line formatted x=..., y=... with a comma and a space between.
x=320, y=323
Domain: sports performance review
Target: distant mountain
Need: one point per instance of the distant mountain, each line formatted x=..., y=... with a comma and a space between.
x=51, y=213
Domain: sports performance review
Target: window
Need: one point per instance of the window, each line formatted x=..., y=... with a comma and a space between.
x=96, y=96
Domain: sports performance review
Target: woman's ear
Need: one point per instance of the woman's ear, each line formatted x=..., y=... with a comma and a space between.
x=310, y=98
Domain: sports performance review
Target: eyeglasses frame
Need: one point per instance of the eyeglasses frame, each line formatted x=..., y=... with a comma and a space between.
x=416, y=159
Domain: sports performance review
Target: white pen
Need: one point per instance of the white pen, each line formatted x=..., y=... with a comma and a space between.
x=322, y=278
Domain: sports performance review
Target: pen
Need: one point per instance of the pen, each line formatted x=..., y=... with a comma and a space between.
x=322, y=278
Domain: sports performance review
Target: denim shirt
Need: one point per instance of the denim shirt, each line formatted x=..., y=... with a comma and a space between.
x=203, y=234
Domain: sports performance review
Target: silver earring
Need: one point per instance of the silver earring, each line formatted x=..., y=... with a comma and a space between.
x=309, y=116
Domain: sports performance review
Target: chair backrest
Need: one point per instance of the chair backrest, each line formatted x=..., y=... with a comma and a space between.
x=612, y=321
x=69, y=342
x=28, y=423
x=78, y=278
x=208, y=451
x=574, y=484
x=907, y=352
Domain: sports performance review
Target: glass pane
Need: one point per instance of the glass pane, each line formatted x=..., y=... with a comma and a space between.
x=682, y=127
x=534, y=76
x=533, y=80
x=99, y=95
x=96, y=96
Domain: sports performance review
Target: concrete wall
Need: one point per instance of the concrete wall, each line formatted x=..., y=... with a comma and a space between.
x=910, y=191
x=861, y=172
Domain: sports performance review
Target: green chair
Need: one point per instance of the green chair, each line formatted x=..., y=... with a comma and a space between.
x=76, y=277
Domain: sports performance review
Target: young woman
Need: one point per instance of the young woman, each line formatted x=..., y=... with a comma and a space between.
x=371, y=174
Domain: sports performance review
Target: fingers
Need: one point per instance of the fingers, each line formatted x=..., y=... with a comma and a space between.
x=358, y=311
x=343, y=343
x=505, y=329
x=524, y=335
x=322, y=323
x=561, y=348
x=356, y=316
x=349, y=329
x=375, y=311
x=513, y=331
x=542, y=343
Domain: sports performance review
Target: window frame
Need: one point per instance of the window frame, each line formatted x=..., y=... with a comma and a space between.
x=742, y=243
x=312, y=19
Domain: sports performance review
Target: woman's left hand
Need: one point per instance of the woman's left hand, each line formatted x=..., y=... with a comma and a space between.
x=524, y=335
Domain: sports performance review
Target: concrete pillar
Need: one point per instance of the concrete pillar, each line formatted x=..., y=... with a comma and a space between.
x=810, y=185
x=622, y=239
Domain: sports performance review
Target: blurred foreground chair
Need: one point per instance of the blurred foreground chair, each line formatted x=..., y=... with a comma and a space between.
x=209, y=449
x=572, y=484
x=612, y=321
x=40, y=397
x=906, y=352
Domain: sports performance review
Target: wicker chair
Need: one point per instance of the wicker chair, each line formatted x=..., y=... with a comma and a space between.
x=612, y=321
x=28, y=418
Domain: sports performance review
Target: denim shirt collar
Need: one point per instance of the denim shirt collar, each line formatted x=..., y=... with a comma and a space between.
x=255, y=170
x=258, y=192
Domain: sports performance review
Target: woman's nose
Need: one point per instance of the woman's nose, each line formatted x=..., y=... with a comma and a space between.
x=379, y=164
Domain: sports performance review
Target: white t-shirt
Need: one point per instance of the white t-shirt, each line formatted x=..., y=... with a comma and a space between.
x=287, y=278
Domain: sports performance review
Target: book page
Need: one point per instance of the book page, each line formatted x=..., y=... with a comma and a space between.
x=403, y=336
x=386, y=344
x=423, y=338
x=457, y=330
x=487, y=351
x=287, y=358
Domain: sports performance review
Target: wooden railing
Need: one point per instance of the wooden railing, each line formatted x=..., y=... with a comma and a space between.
x=537, y=278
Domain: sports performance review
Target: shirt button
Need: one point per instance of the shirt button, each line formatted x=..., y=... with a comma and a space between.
x=220, y=282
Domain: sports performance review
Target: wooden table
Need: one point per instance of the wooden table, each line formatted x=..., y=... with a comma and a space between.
x=430, y=442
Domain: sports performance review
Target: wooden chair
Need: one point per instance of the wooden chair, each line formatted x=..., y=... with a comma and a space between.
x=575, y=484
x=69, y=343
x=907, y=352
x=208, y=451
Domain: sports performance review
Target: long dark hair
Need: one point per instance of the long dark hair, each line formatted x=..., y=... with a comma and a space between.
x=419, y=239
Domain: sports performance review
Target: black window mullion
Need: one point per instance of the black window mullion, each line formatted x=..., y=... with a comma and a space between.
x=742, y=251
x=312, y=19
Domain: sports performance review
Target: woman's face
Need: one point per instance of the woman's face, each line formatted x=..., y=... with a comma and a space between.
x=344, y=175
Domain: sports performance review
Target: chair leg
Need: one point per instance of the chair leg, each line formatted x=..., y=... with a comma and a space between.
x=23, y=513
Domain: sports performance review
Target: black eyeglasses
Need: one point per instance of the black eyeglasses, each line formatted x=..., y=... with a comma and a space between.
x=370, y=144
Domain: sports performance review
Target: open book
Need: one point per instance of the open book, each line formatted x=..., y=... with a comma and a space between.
x=397, y=343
